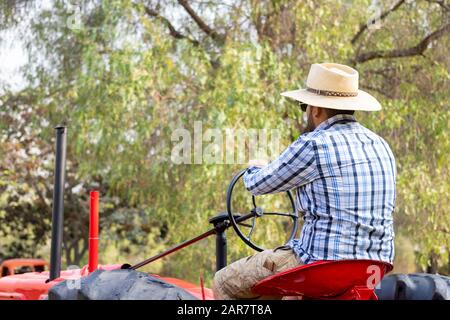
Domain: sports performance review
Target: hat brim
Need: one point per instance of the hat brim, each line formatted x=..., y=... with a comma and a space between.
x=362, y=102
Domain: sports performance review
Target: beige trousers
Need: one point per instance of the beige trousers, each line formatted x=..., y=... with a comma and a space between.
x=236, y=280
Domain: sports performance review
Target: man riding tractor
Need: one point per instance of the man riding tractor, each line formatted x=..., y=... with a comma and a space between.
x=344, y=175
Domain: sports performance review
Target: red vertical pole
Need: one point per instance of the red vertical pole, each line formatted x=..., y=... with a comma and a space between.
x=203, y=288
x=93, y=231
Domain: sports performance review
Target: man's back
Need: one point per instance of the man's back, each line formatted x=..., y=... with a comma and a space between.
x=345, y=178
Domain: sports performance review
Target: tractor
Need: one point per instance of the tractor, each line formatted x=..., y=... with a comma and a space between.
x=324, y=280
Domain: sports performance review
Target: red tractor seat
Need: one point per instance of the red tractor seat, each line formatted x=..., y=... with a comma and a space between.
x=342, y=280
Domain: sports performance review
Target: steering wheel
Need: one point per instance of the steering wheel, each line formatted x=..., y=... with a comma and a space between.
x=256, y=212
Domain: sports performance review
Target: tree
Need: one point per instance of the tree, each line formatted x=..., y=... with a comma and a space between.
x=126, y=74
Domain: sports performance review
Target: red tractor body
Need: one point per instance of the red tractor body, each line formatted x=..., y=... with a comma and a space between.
x=35, y=285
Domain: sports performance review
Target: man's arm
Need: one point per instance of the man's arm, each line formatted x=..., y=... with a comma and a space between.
x=295, y=166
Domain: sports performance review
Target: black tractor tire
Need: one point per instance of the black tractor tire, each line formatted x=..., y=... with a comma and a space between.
x=118, y=285
x=415, y=286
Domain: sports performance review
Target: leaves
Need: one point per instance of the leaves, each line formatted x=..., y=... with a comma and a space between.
x=124, y=82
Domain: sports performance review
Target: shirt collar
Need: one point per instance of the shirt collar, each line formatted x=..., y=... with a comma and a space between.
x=331, y=121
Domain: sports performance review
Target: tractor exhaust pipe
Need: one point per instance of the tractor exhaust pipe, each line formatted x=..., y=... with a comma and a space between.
x=58, y=203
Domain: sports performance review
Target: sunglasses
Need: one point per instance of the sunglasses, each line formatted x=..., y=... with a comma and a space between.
x=303, y=106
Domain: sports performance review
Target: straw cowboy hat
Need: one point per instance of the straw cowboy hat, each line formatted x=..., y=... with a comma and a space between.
x=334, y=86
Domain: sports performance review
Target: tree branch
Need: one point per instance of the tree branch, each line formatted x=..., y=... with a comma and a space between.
x=200, y=23
x=173, y=32
x=383, y=15
x=380, y=91
x=405, y=52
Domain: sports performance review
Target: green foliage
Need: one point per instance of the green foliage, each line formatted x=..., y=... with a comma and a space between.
x=123, y=84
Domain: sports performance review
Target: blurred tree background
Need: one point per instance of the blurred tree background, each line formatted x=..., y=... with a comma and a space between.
x=123, y=75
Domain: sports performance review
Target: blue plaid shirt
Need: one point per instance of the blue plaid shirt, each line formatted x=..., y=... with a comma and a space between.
x=344, y=175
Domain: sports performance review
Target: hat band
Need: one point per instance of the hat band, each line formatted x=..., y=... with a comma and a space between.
x=332, y=93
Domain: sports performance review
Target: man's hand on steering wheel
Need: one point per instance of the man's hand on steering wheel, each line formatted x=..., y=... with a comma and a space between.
x=256, y=212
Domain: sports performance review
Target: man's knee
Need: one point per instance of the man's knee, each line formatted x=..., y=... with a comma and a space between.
x=218, y=278
x=218, y=284
x=237, y=279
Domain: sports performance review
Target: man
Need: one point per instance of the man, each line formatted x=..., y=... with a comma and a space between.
x=344, y=175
